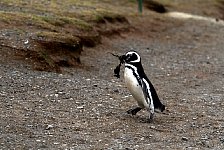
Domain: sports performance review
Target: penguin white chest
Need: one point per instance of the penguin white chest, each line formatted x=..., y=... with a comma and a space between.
x=134, y=87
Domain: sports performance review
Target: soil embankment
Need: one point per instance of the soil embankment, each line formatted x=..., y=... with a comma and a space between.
x=84, y=106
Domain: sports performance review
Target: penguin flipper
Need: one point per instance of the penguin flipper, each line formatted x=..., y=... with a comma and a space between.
x=145, y=91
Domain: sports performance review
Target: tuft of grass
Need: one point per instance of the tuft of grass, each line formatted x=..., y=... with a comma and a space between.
x=59, y=21
x=45, y=22
x=19, y=19
x=103, y=16
x=55, y=37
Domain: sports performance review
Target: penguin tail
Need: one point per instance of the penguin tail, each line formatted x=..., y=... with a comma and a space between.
x=162, y=108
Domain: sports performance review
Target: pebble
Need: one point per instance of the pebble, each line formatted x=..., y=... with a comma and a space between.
x=80, y=107
x=152, y=127
x=50, y=126
x=116, y=91
x=184, y=138
x=56, y=143
x=204, y=138
x=26, y=42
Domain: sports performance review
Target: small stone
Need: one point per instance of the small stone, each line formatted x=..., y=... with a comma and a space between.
x=221, y=139
x=26, y=42
x=204, y=138
x=116, y=91
x=152, y=127
x=56, y=143
x=184, y=138
x=50, y=126
x=80, y=107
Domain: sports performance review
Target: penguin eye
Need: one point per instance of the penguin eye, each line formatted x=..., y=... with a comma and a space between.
x=132, y=57
x=128, y=57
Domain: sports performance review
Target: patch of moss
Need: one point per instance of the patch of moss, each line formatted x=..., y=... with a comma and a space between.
x=54, y=39
x=107, y=16
x=19, y=18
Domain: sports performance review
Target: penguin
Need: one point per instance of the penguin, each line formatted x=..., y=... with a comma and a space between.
x=139, y=85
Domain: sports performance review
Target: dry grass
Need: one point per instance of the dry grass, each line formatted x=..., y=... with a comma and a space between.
x=67, y=17
x=59, y=13
x=55, y=21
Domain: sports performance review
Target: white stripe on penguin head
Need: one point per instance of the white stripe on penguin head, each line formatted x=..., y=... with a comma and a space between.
x=138, y=57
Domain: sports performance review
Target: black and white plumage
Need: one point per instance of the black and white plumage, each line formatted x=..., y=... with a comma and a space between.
x=139, y=85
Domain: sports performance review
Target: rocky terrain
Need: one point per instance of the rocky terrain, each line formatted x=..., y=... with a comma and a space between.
x=83, y=106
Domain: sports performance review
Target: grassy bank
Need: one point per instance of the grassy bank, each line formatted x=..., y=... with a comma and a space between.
x=40, y=30
x=58, y=23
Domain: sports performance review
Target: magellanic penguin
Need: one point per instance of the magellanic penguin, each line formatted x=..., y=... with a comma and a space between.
x=139, y=85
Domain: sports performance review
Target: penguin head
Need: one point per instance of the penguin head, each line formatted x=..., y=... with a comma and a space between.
x=131, y=57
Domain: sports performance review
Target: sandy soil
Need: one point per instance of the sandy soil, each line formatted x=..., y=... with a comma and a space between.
x=85, y=107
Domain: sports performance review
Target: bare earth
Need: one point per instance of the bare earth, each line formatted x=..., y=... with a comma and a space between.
x=85, y=107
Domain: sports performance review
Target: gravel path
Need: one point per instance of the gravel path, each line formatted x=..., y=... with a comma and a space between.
x=85, y=108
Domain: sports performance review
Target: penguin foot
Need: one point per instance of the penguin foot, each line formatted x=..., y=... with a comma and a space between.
x=134, y=111
x=151, y=118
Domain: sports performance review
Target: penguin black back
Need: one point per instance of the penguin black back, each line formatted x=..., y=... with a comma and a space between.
x=134, y=59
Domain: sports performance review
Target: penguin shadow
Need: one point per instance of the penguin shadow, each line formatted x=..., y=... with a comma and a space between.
x=138, y=118
x=142, y=117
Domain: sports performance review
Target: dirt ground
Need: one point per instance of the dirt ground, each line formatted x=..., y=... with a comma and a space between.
x=85, y=107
